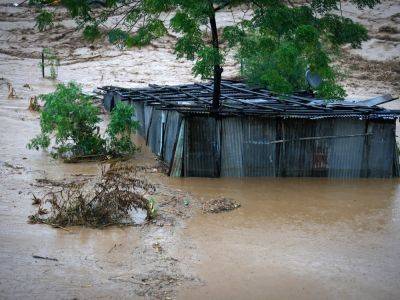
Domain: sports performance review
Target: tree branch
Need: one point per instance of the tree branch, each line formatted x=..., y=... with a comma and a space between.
x=222, y=6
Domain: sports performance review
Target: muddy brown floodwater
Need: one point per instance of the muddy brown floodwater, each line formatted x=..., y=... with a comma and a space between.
x=297, y=238
x=291, y=238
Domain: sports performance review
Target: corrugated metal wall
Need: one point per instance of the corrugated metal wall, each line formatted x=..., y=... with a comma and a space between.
x=295, y=156
x=345, y=159
x=139, y=116
x=259, y=154
x=171, y=134
x=380, y=149
x=342, y=148
x=232, y=147
x=108, y=101
x=147, y=118
x=203, y=146
x=321, y=147
x=177, y=161
x=154, y=135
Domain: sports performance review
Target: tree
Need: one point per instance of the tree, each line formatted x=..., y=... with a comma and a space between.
x=275, y=45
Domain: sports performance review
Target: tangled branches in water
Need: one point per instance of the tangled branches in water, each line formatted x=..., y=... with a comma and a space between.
x=220, y=205
x=107, y=200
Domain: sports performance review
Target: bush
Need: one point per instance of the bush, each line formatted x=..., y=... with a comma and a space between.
x=51, y=62
x=120, y=130
x=44, y=20
x=70, y=118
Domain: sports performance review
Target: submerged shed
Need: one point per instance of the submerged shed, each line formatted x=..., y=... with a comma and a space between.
x=257, y=133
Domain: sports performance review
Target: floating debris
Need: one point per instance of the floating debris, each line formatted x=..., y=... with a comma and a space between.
x=11, y=91
x=36, y=200
x=34, y=104
x=111, y=199
x=220, y=205
x=44, y=257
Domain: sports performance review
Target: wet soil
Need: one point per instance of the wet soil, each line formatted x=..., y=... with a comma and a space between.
x=291, y=238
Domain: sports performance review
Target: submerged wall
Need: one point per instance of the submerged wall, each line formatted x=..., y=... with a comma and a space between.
x=254, y=146
x=203, y=146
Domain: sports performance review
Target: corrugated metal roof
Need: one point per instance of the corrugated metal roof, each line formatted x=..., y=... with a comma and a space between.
x=239, y=99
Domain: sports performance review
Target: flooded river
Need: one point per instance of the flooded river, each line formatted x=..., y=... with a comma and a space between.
x=297, y=238
x=291, y=238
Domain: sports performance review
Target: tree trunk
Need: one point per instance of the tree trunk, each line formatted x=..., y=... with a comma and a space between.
x=217, y=67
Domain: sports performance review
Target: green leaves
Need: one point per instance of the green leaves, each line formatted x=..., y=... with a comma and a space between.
x=281, y=20
x=208, y=57
x=44, y=20
x=183, y=23
x=71, y=119
x=150, y=31
x=233, y=35
x=118, y=36
x=330, y=90
x=91, y=33
x=120, y=129
x=281, y=68
x=342, y=31
x=79, y=10
x=280, y=41
x=274, y=46
x=324, y=6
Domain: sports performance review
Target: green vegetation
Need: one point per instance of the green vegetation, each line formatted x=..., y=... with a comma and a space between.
x=44, y=20
x=71, y=119
x=51, y=61
x=151, y=208
x=120, y=130
x=275, y=45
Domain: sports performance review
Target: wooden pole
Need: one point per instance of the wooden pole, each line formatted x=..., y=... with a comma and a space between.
x=42, y=63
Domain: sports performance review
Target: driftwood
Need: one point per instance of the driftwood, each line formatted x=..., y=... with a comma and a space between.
x=44, y=257
x=99, y=202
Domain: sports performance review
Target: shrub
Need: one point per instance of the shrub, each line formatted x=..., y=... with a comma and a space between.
x=70, y=118
x=44, y=20
x=120, y=130
x=51, y=61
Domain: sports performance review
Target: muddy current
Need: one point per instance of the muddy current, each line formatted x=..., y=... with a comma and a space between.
x=291, y=237
x=298, y=238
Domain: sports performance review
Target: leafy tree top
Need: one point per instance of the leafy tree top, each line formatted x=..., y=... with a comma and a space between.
x=275, y=45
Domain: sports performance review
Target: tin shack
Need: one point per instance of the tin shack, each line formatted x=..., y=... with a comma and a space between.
x=257, y=133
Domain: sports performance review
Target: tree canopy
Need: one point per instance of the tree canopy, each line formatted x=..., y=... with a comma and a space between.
x=274, y=45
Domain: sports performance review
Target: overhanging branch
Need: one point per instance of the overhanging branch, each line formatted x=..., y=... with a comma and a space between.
x=222, y=6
